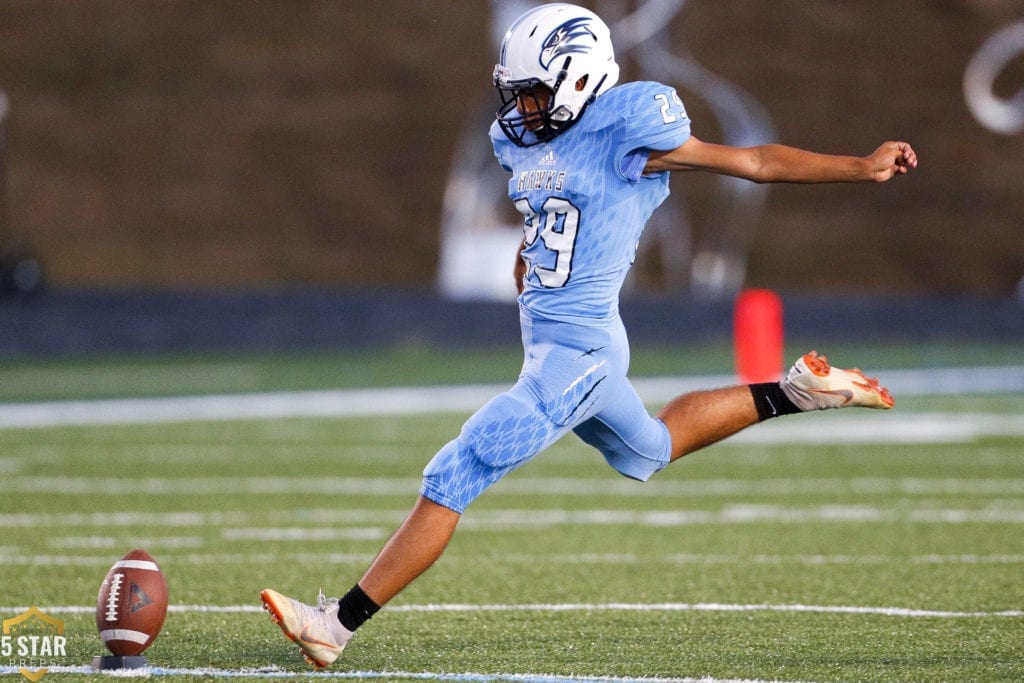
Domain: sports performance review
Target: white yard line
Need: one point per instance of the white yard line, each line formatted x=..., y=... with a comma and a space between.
x=13, y=556
x=518, y=485
x=904, y=612
x=273, y=672
x=487, y=520
x=447, y=399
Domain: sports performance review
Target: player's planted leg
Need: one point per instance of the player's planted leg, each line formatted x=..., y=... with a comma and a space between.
x=322, y=632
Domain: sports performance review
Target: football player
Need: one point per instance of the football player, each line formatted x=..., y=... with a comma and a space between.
x=589, y=161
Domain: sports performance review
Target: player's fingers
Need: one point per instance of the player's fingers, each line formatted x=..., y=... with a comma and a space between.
x=908, y=156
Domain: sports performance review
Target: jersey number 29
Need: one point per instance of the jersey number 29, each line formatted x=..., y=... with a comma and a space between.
x=556, y=226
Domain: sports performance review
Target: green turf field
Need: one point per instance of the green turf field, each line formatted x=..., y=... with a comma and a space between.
x=894, y=554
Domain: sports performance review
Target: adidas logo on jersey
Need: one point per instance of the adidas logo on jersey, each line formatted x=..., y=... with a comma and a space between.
x=548, y=159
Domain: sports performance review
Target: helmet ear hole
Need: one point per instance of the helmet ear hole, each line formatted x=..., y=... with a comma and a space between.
x=581, y=82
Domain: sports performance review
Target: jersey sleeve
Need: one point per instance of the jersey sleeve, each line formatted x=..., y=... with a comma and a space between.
x=654, y=119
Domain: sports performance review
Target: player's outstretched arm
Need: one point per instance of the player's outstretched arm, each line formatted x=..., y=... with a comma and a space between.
x=783, y=164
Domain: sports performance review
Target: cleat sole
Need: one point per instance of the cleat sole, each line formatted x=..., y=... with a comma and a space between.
x=275, y=614
x=817, y=364
x=872, y=385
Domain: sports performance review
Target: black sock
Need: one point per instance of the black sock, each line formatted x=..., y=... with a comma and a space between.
x=771, y=401
x=355, y=608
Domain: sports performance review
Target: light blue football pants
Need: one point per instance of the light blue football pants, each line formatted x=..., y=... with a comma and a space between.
x=573, y=378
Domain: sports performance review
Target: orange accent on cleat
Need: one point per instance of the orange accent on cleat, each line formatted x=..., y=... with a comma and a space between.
x=817, y=364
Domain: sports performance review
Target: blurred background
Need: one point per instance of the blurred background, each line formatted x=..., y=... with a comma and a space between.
x=184, y=173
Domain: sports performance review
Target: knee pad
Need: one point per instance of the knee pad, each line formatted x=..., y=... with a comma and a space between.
x=455, y=476
x=507, y=432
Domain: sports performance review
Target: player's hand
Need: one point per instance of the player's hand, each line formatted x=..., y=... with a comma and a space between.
x=891, y=159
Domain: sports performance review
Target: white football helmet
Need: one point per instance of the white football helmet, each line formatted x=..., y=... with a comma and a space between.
x=557, y=46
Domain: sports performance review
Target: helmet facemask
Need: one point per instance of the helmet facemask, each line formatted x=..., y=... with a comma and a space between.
x=539, y=120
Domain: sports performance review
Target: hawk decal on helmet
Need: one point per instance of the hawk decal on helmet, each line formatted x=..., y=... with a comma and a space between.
x=572, y=37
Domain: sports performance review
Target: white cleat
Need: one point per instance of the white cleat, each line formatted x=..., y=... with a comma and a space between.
x=316, y=630
x=813, y=384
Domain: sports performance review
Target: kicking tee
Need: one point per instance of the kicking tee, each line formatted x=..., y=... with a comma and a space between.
x=585, y=200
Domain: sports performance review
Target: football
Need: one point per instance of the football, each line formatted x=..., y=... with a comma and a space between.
x=132, y=604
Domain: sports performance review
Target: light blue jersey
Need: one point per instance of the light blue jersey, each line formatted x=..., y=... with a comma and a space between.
x=584, y=200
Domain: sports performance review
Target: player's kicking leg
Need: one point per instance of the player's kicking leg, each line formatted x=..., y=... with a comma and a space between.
x=316, y=630
x=701, y=418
